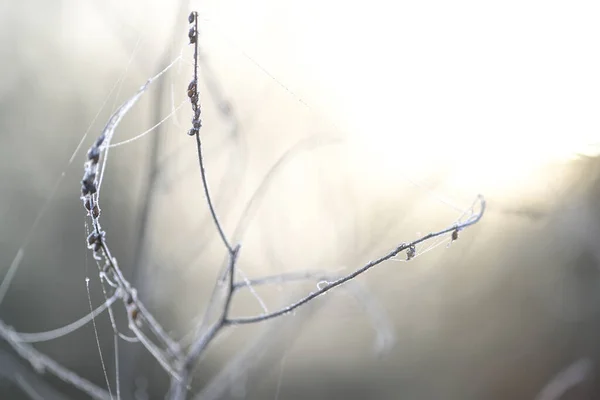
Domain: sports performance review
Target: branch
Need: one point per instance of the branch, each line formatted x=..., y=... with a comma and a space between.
x=372, y=308
x=12, y=368
x=64, y=330
x=137, y=314
x=202, y=341
x=197, y=124
x=42, y=362
x=409, y=247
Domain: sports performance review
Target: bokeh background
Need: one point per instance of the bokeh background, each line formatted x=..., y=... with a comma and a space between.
x=360, y=126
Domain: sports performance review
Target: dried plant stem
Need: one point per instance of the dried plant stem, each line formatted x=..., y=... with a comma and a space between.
x=42, y=362
x=203, y=339
x=177, y=362
x=340, y=281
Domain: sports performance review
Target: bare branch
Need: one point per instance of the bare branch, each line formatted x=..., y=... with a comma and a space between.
x=62, y=331
x=42, y=362
x=136, y=312
x=197, y=123
x=409, y=247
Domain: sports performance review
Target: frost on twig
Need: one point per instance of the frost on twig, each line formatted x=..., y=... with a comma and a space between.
x=204, y=337
x=138, y=316
x=178, y=361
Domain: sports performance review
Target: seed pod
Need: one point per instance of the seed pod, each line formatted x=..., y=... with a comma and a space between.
x=93, y=154
x=192, y=35
x=100, y=140
x=411, y=252
x=88, y=187
x=94, y=240
x=455, y=235
x=89, y=177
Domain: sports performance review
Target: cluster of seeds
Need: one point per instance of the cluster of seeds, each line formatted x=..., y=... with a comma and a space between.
x=95, y=240
x=411, y=252
x=89, y=188
x=193, y=86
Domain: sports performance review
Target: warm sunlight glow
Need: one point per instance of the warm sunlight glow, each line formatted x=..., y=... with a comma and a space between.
x=470, y=89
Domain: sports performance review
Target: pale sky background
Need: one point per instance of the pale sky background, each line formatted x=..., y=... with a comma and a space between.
x=424, y=84
x=487, y=90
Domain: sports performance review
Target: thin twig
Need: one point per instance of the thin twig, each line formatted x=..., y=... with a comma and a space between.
x=404, y=246
x=198, y=347
x=136, y=312
x=194, y=96
x=202, y=341
x=252, y=206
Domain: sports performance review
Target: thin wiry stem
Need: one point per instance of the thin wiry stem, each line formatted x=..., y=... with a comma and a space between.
x=179, y=390
x=35, y=386
x=12, y=270
x=72, y=327
x=198, y=347
x=283, y=278
x=200, y=344
x=136, y=312
x=274, y=338
x=405, y=246
x=259, y=194
x=356, y=289
x=195, y=131
x=208, y=198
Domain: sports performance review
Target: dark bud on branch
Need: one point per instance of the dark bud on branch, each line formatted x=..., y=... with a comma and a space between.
x=94, y=154
x=99, y=141
x=192, y=89
x=411, y=252
x=93, y=211
x=455, y=235
x=192, y=35
x=88, y=188
x=94, y=240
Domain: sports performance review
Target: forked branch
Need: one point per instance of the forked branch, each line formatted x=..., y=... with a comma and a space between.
x=203, y=339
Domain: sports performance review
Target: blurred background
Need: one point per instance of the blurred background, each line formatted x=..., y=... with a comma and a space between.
x=333, y=132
